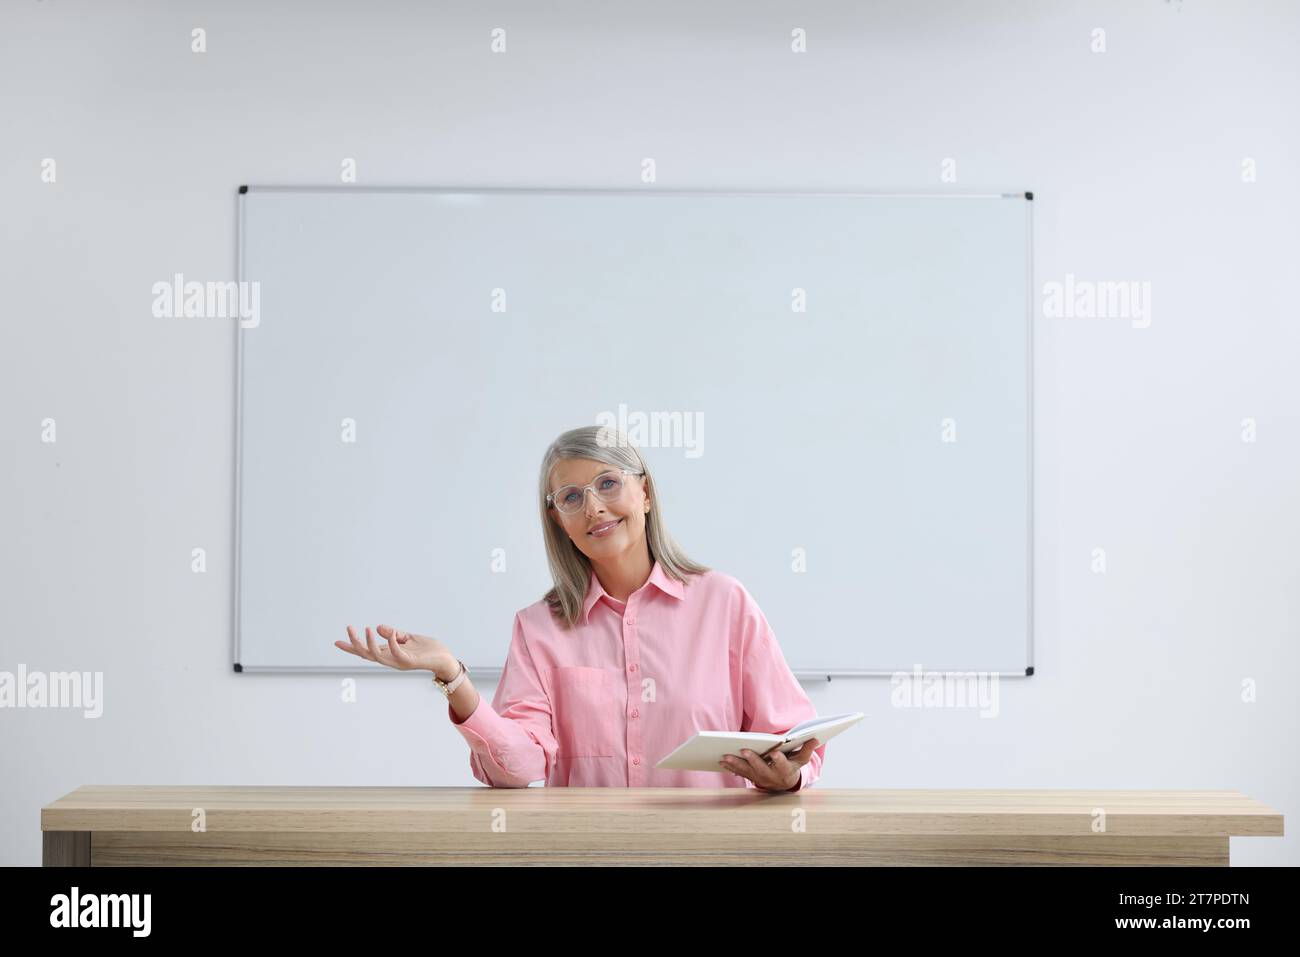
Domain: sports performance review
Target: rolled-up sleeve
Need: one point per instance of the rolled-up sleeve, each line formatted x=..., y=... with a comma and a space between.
x=773, y=700
x=512, y=742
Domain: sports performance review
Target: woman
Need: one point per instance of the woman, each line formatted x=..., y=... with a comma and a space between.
x=634, y=650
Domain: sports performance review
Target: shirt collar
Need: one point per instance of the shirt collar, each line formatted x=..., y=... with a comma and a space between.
x=658, y=577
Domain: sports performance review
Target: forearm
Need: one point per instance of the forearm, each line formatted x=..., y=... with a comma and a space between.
x=464, y=699
x=504, y=752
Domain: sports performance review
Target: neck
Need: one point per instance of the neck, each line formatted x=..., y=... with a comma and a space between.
x=623, y=575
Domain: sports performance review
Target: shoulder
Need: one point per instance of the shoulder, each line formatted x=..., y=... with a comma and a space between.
x=715, y=582
x=534, y=616
x=719, y=591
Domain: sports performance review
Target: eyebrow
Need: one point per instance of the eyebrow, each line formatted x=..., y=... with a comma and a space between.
x=608, y=468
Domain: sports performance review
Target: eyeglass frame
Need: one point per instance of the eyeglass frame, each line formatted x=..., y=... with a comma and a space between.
x=550, y=496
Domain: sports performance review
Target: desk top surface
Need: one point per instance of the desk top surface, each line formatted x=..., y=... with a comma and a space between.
x=649, y=810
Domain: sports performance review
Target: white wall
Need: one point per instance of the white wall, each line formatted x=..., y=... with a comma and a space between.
x=1135, y=159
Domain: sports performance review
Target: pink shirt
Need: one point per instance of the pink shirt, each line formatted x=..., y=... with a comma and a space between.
x=600, y=705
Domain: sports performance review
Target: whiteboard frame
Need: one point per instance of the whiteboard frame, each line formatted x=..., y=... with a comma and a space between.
x=495, y=671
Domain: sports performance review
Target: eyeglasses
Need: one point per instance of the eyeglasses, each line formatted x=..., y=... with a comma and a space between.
x=608, y=486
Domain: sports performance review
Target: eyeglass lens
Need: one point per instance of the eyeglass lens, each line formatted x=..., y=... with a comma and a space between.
x=607, y=485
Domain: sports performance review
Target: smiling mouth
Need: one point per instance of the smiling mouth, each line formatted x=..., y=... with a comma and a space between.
x=604, y=529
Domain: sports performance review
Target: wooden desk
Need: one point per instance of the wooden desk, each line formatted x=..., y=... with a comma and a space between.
x=480, y=825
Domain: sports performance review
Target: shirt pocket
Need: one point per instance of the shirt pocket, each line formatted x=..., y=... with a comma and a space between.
x=586, y=712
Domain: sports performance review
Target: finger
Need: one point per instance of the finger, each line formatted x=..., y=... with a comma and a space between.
x=736, y=766
x=389, y=632
x=763, y=774
x=787, y=771
x=394, y=648
x=804, y=754
x=357, y=647
x=364, y=655
x=783, y=771
x=374, y=648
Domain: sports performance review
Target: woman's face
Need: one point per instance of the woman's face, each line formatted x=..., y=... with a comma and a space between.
x=628, y=510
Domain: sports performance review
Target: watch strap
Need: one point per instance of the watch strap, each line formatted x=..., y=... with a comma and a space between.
x=449, y=687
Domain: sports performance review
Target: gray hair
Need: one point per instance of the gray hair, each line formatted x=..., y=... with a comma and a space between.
x=570, y=568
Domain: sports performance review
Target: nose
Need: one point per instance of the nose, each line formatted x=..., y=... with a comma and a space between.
x=588, y=502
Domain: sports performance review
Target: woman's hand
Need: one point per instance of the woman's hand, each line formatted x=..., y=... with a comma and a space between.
x=779, y=772
x=403, y=651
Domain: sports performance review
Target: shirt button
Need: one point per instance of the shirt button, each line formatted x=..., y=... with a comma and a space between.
x=631, y=621
x=636, y=760
x=631, y=667
x=636, y=713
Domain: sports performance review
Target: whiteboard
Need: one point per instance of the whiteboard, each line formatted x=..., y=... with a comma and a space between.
x=855, y=370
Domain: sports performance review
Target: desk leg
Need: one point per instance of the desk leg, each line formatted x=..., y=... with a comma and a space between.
x=65, y=848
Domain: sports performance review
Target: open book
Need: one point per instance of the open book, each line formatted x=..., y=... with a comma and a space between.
x=705, y=749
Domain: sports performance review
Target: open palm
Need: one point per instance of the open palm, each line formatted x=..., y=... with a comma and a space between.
x=401, y=650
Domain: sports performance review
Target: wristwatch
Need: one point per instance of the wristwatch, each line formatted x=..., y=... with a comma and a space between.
x=447, y=687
